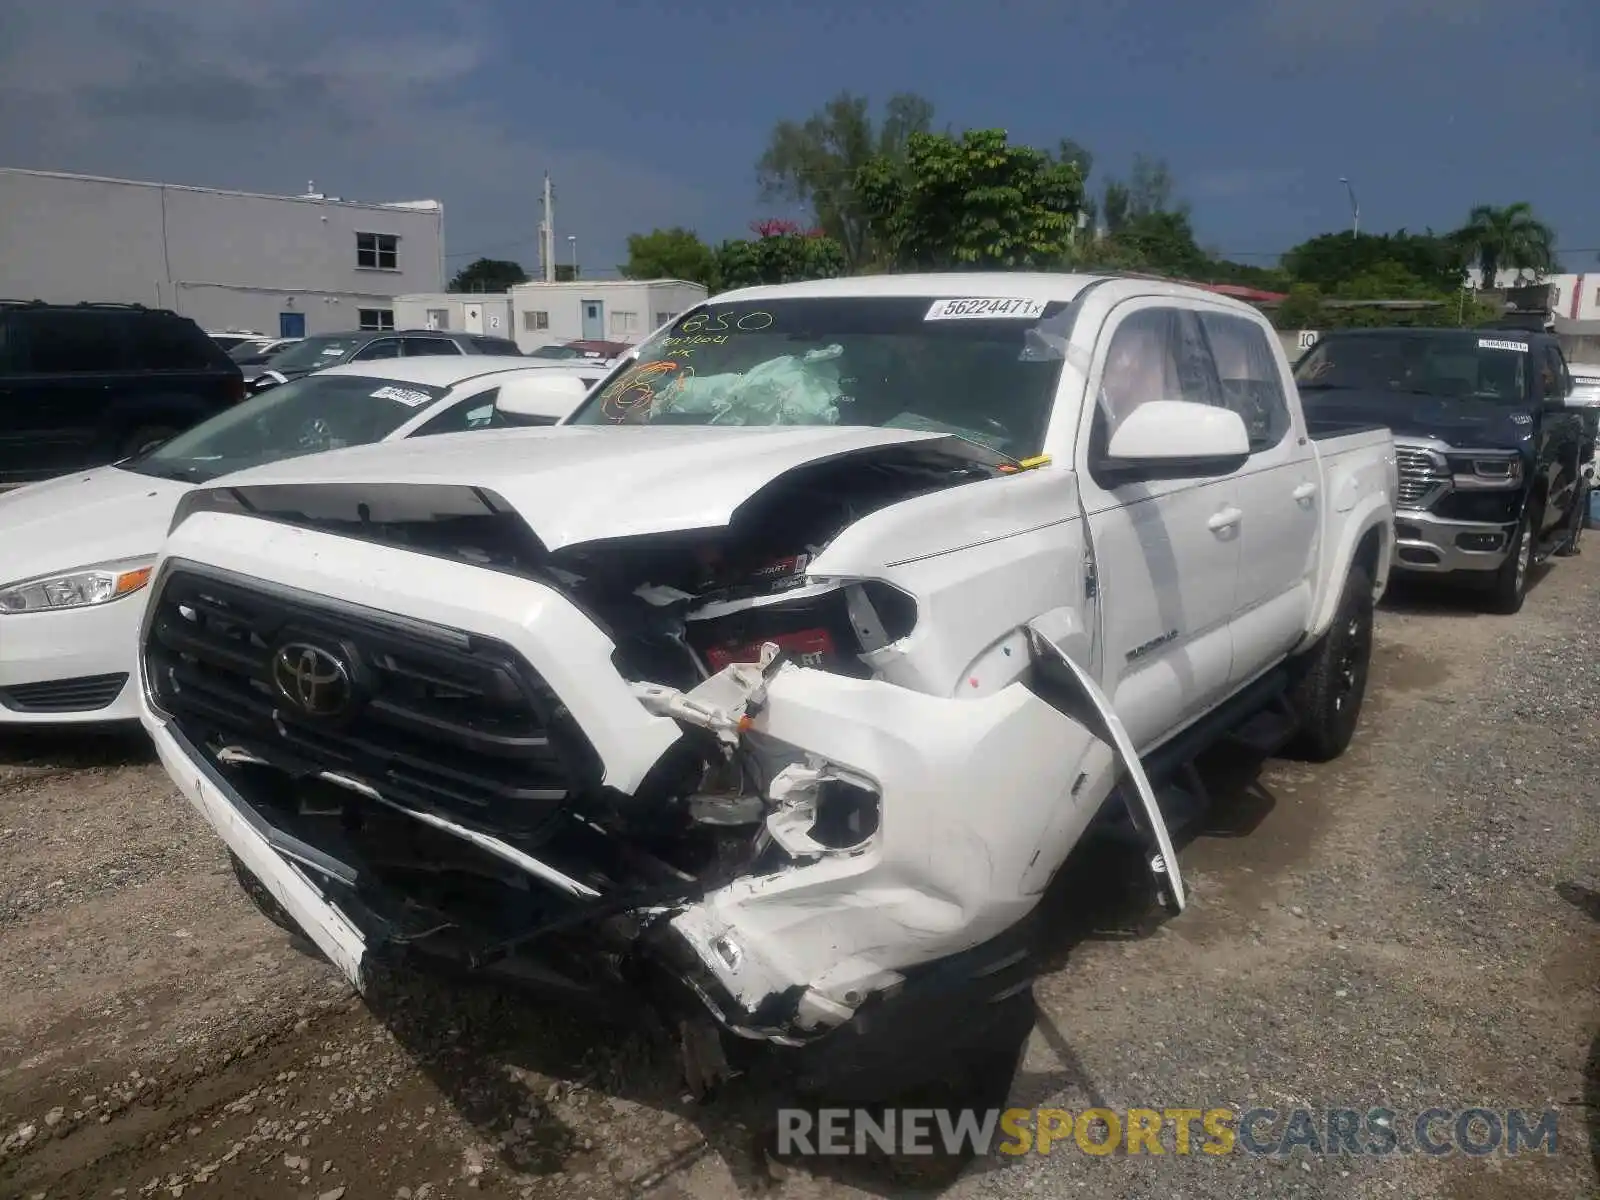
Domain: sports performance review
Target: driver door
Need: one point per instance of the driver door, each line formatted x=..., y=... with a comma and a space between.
x=1166, y=550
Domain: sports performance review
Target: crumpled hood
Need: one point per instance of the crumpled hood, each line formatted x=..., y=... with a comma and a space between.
x=84, y=518
x=580, y=483
x=1454, y=420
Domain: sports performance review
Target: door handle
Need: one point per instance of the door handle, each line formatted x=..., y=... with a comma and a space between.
x=1305, y=491
x=1226, y=519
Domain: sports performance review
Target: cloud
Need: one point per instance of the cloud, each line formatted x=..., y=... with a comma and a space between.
x=372, y=100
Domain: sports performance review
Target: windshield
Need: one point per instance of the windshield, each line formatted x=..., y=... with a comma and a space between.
x=1453, y=364
x=983, y=369
x=319, y=412
x=314, y=353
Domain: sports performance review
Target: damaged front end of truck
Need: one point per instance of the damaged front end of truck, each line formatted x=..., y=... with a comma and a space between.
x=798, y=778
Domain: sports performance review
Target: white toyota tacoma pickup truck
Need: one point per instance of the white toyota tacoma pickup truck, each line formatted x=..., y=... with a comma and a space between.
x=775, y=684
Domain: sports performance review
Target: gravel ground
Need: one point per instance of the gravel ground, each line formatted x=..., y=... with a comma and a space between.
x=1414, y=925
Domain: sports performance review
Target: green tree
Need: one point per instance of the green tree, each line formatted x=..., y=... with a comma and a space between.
x=1507, y=237
x=1334, y=261
x=785, y=256
x=1151, y=188
x=816, y=161
x=488, y=275
x=675, y=253
x=1164, y=242
x=971, y=201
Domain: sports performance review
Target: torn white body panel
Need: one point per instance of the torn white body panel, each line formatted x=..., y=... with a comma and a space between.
x=980, y=799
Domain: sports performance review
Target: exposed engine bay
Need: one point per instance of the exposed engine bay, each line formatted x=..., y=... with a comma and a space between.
x=812, y=841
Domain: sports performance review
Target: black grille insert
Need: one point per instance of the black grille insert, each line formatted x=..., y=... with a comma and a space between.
x=438, y=718
x=86, y=693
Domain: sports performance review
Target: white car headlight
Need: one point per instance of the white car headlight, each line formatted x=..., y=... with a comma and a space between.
x=82, y=588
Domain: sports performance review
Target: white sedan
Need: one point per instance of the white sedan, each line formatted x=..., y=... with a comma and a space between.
x=75, y=551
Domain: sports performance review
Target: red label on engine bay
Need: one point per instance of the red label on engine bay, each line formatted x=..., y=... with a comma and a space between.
x=806, y=646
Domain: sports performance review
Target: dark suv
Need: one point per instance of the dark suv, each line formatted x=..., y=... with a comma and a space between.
x=82, y=385
x=330, y=349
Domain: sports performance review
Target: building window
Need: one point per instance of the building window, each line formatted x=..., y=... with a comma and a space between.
x=376, y=318
x=378, y=251
x=532, y=321
x=438, y=318
x=624, y=322
x=663, y=318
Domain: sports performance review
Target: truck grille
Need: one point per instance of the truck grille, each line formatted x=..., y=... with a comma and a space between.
x=433, y=717
x=1420, y=476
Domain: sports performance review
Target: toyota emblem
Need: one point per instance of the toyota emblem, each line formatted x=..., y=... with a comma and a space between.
x=314, y=680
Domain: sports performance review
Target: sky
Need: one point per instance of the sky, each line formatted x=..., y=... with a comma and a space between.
x=654, y=114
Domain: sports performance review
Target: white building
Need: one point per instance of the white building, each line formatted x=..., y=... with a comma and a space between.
x=462, y=312
x=612, y=310
x=288, y=265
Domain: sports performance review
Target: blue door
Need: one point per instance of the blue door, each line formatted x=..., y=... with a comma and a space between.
x=291, y=324
x=594, y=324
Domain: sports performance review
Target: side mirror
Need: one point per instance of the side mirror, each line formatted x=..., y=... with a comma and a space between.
x=1178, y=439
x=541, y=398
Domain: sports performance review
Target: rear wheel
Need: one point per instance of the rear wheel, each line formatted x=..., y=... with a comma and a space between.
x=1331, y=678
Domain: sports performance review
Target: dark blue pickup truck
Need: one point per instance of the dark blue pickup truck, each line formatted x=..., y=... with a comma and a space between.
x=1493, y=453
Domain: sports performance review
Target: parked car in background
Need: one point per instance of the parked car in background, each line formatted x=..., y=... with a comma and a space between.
x=231, y=338
x=75, y=552
x=773, y=687
x=86, y=384
x=254, y=352
x=323, y=350
x=1491, y=455
x=608, y=352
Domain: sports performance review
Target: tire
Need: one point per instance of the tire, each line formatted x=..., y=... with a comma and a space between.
x=1510, y=586
x=1331, y=678
x=270, y=908
x=144, y=438
x=1580, y=518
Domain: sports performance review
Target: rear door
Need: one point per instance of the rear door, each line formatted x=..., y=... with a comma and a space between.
x=1277, y=494
x=64, y=367
x=1561, y=437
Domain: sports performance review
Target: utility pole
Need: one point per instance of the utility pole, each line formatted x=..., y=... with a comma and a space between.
x=547, y=233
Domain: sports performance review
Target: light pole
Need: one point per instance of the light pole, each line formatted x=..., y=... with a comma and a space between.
x=572, y=242
x=1355, y=209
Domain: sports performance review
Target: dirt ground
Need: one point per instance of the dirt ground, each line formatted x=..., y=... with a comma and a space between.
x=1414, y=925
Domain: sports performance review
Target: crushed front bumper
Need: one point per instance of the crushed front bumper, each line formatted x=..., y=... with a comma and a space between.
x=977, y=801
x=1429, y=544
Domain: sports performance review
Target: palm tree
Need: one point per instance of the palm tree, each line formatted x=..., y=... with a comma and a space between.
x=1507, y=237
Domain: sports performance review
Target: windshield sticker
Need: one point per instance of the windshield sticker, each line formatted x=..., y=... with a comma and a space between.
x=1496, y=344
x=402, y=396
x=986, y=309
